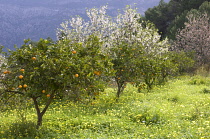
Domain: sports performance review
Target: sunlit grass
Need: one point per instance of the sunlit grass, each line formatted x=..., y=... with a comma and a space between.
x=178, y=110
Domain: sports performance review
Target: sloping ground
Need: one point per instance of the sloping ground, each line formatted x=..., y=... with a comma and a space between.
x=177, y=110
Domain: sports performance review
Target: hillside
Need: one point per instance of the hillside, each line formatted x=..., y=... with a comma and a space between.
x=22, y=19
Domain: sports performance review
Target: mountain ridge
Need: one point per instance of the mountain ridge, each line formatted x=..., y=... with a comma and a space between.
x=23, y=19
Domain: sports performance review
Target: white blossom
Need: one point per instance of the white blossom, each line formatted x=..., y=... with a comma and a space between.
x=112, y=31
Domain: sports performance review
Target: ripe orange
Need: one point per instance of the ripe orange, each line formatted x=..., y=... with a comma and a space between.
x=25, y=85
x=48, y=95
x=6, y=72
x=43, y=91
x=22, y=70
x=20, y=77
x=33, y=58
x=20, y=86
x=76, y=75
x=12, y=88
x=74, y=52
x=97, y=73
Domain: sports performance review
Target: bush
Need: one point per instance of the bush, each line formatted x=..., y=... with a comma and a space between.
x=22, y=129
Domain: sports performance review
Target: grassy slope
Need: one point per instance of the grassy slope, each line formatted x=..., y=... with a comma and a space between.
x=180, y=109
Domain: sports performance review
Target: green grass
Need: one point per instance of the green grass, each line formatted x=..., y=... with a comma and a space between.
x=178, y=110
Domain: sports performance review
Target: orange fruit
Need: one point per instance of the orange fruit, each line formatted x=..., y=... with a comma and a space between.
x=22, y=70
x=74, y=52
x=5, y=72
x=43, y=91
x=76, y=75
x=20, y=77
x=97, y=73
x=20, y=86
x=96, y=93
x=33, y=58
x=25, y=85
x=48, y=95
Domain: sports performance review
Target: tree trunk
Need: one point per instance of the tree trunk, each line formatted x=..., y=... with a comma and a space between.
x=39, y=120
x=118, y=91
x=39, y=113
x=120, y=88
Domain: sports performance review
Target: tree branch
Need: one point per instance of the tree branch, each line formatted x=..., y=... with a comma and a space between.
x=47, y=104
x=15, y=92
x=36, y=105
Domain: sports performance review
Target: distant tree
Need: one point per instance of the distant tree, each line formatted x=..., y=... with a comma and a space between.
x=178, y=22
x=168, y=17
x=205, y=8
x=160, y=16
x=195, y=37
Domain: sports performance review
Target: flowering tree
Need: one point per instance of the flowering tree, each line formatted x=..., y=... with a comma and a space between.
x=195, y=37
x=108, y=29
x=130, y=44
x=77, y=29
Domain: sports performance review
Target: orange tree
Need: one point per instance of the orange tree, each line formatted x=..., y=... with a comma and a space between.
x=136, y=52
x=46, y=70
x=125, y=60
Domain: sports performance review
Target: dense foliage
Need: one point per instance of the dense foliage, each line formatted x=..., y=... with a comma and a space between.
x=169, y=17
